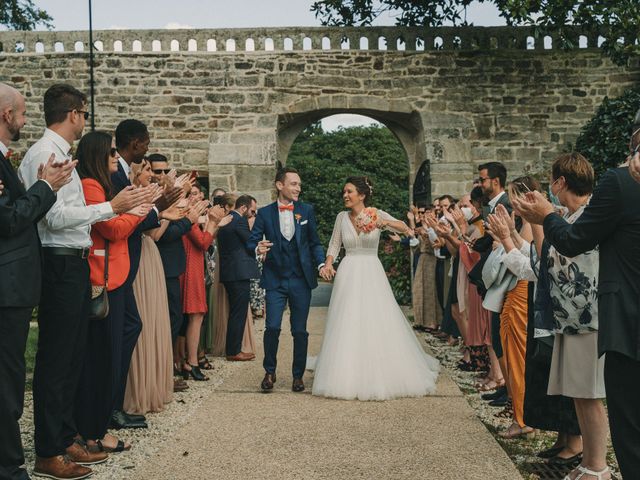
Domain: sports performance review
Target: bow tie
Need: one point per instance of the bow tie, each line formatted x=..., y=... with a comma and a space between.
x=284, y=208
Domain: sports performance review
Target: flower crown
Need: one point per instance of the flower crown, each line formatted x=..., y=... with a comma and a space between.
x=366, y=181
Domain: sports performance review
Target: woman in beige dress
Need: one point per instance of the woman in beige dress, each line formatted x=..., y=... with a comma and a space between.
x=219, y=306
x=427, y=313
x=150, y=381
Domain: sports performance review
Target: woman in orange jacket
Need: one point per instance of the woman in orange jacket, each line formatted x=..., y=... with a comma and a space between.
x=97, y=160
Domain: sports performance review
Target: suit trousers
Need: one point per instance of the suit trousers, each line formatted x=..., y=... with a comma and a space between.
x=623, y=398
x=14, y=329
x=125, y=330
x=174, y=294
x=63, y=319
x=238, y=293
x=98, y=380
x=297, y=293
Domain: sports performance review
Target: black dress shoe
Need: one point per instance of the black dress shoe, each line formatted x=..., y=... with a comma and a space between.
x=132, y=417
x=500, y=392
x=499, y=402
x=119, y=420
x=267, y=382
x=550, y=452
x=298, y=385
x=565, y=462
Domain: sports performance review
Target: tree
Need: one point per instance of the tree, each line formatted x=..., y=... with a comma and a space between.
x=23, y=15
x=325, y=160
x=605, y=139
x=613, y=19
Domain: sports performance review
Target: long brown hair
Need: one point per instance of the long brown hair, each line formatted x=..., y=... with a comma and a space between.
x=93, y=159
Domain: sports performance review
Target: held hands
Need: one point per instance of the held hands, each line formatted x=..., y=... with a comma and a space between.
x=327, y=272
x=263, y=248
x=57, y=174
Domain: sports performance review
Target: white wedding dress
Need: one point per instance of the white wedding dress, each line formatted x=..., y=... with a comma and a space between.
x=369, y=350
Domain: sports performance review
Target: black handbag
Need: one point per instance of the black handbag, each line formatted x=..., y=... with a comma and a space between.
x=542, y=307
x=99, y=306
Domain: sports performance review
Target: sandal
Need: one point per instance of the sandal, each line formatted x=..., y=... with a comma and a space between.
x=518, y=431
x=507, y=412
x=585, y=471
x=120, y=447
x=491, y=385
x=204, y=363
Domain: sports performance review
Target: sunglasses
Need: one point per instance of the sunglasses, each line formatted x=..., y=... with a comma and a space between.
x=159, y=171
x=113, y=152
x=84, y=113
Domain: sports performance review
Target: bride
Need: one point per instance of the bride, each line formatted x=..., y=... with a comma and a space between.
x=369, y=351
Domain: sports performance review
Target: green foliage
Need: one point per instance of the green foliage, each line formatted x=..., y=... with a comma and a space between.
x=325, y=160
x=23, y=15
x=613, y=19
x=605, y=139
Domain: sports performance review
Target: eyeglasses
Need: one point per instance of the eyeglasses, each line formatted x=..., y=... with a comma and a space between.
x=113, y=152
x=159, y=171
x=482, y=179
x=84, y=113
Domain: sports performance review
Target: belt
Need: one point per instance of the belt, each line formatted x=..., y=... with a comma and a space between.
x=72, y=252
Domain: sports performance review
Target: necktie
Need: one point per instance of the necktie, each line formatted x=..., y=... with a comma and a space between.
x=284, y=208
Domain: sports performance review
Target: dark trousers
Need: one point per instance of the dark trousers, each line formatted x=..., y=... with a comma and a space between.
x=297, y=293
x=98, y=381
x=238, y=293
x=623, y=398
x=62, y=337
x=175, y=306
x=496, y=342
x=440, y=273
x=125, y=330
x=14, y=329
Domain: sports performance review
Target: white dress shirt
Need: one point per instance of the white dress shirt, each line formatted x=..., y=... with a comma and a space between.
x=287, y=227
x=493, y=202
x=68, y=222
x=4, y=149
x=125, y=166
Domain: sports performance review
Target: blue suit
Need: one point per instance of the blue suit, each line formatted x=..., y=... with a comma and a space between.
x=289, y=274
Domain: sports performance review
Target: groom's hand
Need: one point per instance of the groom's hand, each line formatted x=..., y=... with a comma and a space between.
x=327, y=272
x=263, y=247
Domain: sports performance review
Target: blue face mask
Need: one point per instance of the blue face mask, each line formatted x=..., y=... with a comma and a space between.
x=555, y=200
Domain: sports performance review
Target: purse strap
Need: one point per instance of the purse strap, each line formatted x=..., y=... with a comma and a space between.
x=106, y=263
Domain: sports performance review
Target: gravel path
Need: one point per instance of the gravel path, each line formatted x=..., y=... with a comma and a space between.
x=226, y=429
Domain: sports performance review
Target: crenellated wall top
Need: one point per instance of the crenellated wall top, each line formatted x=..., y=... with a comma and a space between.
x=290, y=39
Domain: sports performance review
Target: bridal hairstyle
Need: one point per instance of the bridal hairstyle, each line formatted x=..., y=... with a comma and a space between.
x=363, y=187
x=93, y=153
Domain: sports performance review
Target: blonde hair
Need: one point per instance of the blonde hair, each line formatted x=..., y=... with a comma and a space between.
x=136, y=170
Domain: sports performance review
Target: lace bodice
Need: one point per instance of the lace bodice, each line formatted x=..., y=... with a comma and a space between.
x=344, y=233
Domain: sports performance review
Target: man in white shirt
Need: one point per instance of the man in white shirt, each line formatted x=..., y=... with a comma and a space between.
x=64, y=305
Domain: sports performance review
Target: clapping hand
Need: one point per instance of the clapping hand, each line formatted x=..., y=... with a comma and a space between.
x=532, y=207
x=174, y=212
x=129, y=198
x=327, y=272
x=460, y=220
x=56, y=174
x=196, y=210
x=498, y=227
x=141, y=210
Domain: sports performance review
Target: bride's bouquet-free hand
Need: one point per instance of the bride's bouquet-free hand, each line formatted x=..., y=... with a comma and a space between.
x=367, y=220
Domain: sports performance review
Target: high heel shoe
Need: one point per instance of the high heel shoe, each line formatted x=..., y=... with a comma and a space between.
x=195, y=373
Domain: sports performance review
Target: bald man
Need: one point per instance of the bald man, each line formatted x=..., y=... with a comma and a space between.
x=20, y=279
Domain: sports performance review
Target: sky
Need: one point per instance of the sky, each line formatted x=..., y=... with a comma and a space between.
x=157, y=14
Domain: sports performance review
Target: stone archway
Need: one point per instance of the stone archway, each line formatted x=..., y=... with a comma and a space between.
x=403, y=122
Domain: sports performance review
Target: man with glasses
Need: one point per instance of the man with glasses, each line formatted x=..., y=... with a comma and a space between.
x=63, y=315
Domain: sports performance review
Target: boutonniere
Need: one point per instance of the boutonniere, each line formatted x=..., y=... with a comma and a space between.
x=298, y=217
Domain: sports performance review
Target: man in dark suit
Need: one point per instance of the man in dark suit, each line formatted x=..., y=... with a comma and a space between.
x=237, y=267
x=293, y=256
x=612, y=222
x=20, y=282
x=132, y=142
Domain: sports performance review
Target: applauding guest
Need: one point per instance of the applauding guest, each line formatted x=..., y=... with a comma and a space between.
x=20, y=282
x=109, y=263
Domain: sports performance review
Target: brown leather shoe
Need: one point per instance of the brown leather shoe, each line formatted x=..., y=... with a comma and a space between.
x=241, y=357
x=60, y=468
x=267, y=382
x=298, y=385
x=79, y=454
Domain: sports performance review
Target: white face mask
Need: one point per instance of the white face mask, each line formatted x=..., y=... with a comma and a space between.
x=467, y=212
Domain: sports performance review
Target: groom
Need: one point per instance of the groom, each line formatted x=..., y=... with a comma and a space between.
x=293, y=257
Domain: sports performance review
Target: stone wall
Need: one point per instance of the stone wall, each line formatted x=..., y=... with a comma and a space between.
x=234, y=114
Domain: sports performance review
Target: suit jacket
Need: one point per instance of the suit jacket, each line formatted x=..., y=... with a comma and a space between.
x=236, y=262
x=20, y=253
x=171, y=248
x=612, y=221
x=120, y=180
x=117, y=231
x=311, y=253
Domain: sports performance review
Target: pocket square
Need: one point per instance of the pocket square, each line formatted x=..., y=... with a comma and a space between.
x=304, y=223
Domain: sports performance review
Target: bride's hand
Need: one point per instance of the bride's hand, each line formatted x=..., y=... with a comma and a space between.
x=327, y=272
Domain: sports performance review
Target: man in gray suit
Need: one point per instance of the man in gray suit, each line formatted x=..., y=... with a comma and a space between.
x=20, y=280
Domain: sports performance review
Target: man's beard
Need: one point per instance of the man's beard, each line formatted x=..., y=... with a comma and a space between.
x=15, y=133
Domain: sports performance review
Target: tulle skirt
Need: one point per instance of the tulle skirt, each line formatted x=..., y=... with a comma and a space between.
x=369, y=350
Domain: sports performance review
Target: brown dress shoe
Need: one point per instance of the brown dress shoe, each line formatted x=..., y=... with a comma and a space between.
x=241, y=357
x=298, y=385
x=60, y=468
x=267, y=382
x=82, y=456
